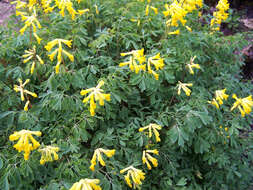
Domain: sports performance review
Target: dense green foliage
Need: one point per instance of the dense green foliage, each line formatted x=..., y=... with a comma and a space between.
x=194, y=152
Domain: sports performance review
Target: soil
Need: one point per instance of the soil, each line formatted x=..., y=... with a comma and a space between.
x=6, y=10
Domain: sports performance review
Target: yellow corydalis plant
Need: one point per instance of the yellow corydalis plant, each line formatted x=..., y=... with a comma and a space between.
x=24, y=137
x=146, y=157
x=185, y=88
x=220, y=15
x=20, y=88
x=96, y=94
x=192, y=65
x=243, y=104
x=152, y=127
x=135, y=55
x=136, y=175
x=158, y=62
x=31, y=55
x=47, y=152
x=98, y=156
x=59, y=50
x=86, y=184
x=19, y=4
x=220, y=95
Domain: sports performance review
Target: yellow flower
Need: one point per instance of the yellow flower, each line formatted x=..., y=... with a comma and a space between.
x=176, y=32
x=243, y=104
x=37, y=37
x=158, y=62
x=151, y=7
x=133, y=65
x=220, y=95
x=97, y=11
x=221, y=14
x=184, y=87
x=192, y=65
x=30, y=21
x=66, y=5
x=214, y=102
x=59, y=50
x=47, y=152
x=152, y=127
x=97, y=155
x=26, y=105
x=188, y=28
x=86, y=184
x=96, y=94
x=24, y=137
x=136, y=175
x=23, y=91
x=146, y=157
x=31, y=55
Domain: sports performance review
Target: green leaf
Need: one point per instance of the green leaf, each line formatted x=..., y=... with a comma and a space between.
x=182, y=182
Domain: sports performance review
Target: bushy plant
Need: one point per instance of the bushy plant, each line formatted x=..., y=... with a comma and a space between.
x=123, y=94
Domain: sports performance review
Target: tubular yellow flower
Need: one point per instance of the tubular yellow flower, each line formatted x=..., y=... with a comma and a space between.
x=146, y=157
x=30, y=21
x=158, y=62
x=184, y=87
x=47, y=152
x=31, y=55
x=243, y=104
x=26, y=105
x=221, y=14
x=152, y=127
x=214, y=102
x=220, y=95
x=21, y=89
x=96, y=94
x=192, y=65
x=97, y=155
x=59, y=50
x=136, y=175
x=133, y=65
x=97, y=11
x=176, y=32
x=37, y=37
x=86, y=184
x=24, y=137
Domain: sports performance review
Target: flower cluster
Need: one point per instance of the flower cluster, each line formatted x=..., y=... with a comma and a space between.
x=32, y=55
x=135, y=62
x=30, y=21
x=178, y=10
x=47, y=152
x=96, y=94
x=137, y=59
x=136, y=175
x=185, y=88
x=62, y=5
x=23, y=92
x=243, y=104
x=152, y=127
x=146, y=157
x=221, y=14
x=24, y=137
x=86, y=184
x=97, y=156
x=192, y=65
x=219, y=96
x=59, y=50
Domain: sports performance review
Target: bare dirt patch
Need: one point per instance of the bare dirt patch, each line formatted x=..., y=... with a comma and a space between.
x=6, y=10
